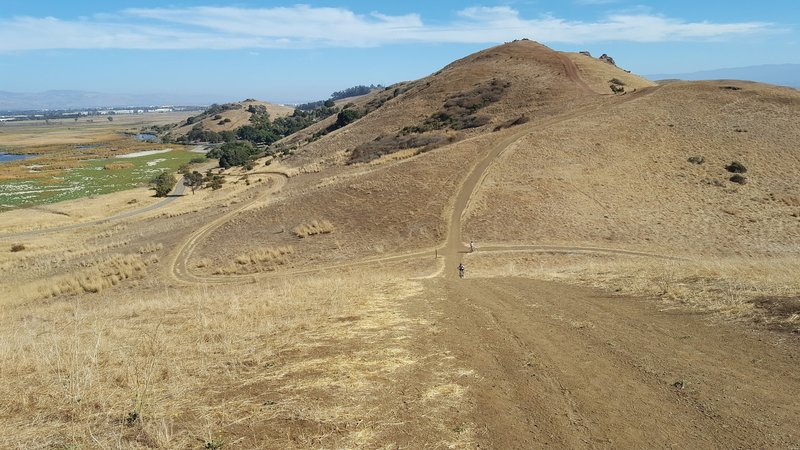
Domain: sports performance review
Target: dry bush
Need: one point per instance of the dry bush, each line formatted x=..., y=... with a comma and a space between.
x=227, y=270
x=17, y=247
x=151, y=248
x=97, y=278
x=264, y=255
x=111, y=231
x=314, y=227
x=259, y=260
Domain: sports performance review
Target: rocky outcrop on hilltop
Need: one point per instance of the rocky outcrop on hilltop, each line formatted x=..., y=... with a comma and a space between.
x=607, y=59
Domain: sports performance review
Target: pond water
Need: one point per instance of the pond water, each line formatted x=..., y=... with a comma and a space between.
x=5, y=157
x=146, y=137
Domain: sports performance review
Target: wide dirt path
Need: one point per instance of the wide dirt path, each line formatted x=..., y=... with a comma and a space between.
x=571, y=367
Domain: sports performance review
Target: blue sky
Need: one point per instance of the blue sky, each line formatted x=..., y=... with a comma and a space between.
x=289, y=52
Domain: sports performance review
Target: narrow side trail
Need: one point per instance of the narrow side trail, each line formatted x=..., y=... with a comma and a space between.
x=178, y=265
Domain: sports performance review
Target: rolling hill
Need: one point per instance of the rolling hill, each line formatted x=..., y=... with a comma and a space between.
x=779, y=74
x=584, y=165
x=230, y=116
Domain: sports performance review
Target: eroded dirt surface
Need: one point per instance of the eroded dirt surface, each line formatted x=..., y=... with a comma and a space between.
x=572, y=367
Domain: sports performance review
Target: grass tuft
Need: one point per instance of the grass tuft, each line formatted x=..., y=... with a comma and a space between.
x=313, y=228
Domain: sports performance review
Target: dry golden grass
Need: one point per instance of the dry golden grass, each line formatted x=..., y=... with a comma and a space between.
x=620, y=176
x=299, y=363
x=100, y=276
x=151, y=248
x=312, y=228
x=264, y=255
x=257, y=260
x=335, y=360
x=75, y=211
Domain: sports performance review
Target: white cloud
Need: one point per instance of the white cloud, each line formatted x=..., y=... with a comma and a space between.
x=304, y=26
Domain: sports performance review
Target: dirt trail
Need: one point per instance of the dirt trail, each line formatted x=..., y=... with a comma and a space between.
x=570, y=367
x=178, y=265
x=573, y=73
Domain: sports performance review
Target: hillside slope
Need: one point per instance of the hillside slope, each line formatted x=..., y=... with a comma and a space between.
x=586, y=166
x=622, y=176
x=467, y=98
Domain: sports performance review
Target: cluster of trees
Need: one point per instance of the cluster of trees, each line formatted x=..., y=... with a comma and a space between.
x=345, y=117
x=200, y=134
x=231, y=154
x=354, y=91
x=240, y=145
x=261, y=130
x=314, y=105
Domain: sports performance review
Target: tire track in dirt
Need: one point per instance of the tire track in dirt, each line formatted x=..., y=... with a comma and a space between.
x=573, y=73
x=569, y=249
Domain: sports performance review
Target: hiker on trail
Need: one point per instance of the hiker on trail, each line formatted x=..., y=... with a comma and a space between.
x=461, y=270
x=471, y=246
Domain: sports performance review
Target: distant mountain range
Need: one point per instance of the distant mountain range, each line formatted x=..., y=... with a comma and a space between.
x=780, y=74
x=68, y=99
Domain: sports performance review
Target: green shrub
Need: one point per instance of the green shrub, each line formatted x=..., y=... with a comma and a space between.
x=163, y=183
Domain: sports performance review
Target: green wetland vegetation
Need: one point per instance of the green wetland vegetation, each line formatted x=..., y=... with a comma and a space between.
x=93, y=177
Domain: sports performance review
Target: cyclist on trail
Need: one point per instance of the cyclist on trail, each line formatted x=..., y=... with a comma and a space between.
x=461, y=270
